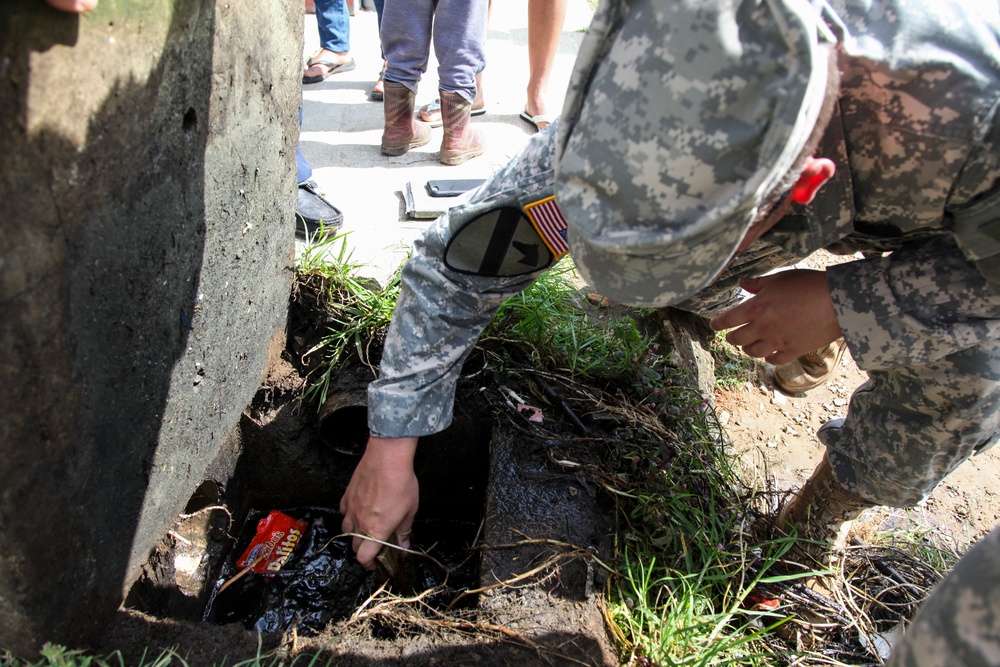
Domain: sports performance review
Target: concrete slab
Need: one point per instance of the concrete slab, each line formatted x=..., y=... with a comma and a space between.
x=342, y=129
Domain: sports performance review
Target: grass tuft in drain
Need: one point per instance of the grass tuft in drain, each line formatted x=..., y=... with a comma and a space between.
x=357, y=312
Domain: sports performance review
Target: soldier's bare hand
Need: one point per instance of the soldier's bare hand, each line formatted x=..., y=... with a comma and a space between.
x=790, y=314
x=382, y=496
x=74, y=6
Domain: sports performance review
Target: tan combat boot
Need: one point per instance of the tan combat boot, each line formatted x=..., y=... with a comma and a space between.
x=810, y=370
x=402, y=131
x=821, y=511
x=461, y=142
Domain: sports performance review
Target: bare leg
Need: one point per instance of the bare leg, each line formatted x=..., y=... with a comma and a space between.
x=545, y=24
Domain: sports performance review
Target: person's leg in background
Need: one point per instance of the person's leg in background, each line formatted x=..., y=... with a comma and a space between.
x=459, y=44
x=431, y=112
x=406, y=44
x=378, y=90
x=545, y=24
x=334, y=54
x=312, y=211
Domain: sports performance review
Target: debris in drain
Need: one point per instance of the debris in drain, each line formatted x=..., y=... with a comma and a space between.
x=396, y=566
x=320, y=581
x=277, y=535
x=304, y=583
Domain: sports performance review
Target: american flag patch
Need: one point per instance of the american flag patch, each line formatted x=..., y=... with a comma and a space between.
x=550, y=225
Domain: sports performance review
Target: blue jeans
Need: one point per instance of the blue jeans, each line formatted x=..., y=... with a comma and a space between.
x=305, y=170
x=458, y=31
x=334, y=22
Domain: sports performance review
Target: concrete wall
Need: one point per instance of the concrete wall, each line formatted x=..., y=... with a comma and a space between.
x=147, y=190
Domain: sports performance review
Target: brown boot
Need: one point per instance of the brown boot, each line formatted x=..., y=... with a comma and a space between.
x=821, y=511
x=402, y=131
x=810, y=370
x=461, y=142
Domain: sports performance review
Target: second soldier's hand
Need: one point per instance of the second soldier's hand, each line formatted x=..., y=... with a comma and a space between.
x=790, y=314
x=382, y=496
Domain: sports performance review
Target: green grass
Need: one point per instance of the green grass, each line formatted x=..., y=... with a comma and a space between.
x=686, y=565
x=549, y=322
x=925, y=544
x=359, y=312
x=54, y=655
x=732, y=367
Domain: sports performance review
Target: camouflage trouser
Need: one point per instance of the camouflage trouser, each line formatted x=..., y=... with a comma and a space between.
x=906, y=427
x=959, y=624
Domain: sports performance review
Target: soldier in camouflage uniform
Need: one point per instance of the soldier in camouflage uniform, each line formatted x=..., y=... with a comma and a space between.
x=684, y=166
x=959, y=624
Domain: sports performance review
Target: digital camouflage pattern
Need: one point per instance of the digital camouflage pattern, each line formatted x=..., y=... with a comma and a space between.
x=681, y=117
x=959, y=624
x=440, y=312
x=916, y=142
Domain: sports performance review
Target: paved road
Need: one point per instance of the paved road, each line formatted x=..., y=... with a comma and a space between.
x=342, y=129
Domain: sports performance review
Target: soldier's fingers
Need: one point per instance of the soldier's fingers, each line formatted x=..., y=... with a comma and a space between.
x=404, y=532
x=366, y=550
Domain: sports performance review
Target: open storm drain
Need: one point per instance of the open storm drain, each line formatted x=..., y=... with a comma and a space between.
x=271, y=556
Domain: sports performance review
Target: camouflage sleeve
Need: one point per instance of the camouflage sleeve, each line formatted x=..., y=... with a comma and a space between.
x=915, y=305
x=959, y=624
x=440, y=313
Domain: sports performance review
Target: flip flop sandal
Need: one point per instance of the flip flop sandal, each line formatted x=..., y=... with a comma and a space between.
x=535, y=120
x=378, y=92
x=434, y=109
x=332, y=68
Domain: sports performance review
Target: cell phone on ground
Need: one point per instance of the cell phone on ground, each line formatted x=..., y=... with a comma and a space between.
x=453, y=187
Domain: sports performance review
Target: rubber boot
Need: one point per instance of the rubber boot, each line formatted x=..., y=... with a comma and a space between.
x=402, y=131
x=810, y=370
x=821, y=512
x=461, y=142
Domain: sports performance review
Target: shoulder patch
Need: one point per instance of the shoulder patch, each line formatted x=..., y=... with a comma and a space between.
x=497, y=242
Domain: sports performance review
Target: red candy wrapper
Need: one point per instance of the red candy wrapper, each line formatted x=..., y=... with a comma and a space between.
x=277, y=535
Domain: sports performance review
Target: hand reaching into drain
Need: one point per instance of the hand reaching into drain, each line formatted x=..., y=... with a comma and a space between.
x=790, y=314
x=382, y=497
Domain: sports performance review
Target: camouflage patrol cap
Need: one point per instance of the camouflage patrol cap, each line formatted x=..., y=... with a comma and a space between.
x=680, y=118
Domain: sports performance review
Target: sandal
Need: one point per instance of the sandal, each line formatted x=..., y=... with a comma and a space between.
x=378, y=90
x=431, y=113
x=331, y=68
x=538, y=120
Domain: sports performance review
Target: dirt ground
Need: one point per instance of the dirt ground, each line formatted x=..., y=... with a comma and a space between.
x=764, y=423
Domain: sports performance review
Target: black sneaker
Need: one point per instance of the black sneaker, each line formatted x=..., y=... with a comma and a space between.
x=314, y=212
